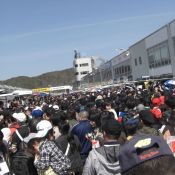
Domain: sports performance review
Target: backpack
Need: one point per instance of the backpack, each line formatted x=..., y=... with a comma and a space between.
x=22, y=162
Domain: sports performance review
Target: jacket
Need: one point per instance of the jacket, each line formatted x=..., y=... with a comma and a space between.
x=103, y=160
x=80, y=130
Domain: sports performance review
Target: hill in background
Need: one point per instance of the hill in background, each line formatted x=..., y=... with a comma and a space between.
x=56, y=78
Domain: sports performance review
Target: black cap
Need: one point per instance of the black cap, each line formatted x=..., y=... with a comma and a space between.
x=147, y=117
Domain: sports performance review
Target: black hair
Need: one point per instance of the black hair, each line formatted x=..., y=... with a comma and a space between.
x=104, y=104
x=33, y=123
x=71, y=114
x=64, y=105
x=64, y=128
x=95, y=116
x=105, y=115
x=55, y=119
x=49, y=133
x=1, y=135
x=48, y=111
x=130, y=130
x=159, y=165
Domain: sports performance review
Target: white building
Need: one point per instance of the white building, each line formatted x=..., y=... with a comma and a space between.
x=83, y=66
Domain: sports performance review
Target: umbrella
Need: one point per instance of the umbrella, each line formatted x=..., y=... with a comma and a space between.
x=169, y=82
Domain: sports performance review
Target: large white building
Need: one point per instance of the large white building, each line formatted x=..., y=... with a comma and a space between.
x=83, y=66
x=152, y=56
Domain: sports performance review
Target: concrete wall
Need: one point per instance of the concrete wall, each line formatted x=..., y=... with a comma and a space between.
x=156, y=38
x=136, y=51
x=172, y=28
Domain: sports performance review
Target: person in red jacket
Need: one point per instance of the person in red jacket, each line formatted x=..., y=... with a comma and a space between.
x=156, y=109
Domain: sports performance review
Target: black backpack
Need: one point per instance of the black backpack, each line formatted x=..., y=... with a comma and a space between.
x=22, y=161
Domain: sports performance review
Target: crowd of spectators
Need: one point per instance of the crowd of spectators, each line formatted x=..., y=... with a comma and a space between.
x=126, y=129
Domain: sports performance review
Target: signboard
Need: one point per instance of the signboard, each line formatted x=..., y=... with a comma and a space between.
x=60, y=88
x=49, y=89
x=41, y=90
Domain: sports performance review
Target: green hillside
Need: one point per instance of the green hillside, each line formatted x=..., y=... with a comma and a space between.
x=56, y=78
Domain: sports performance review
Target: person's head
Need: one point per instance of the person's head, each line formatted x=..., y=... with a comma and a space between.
x=2, y=118
x=91, y=106
x=140, y=107
x=106, y=106
x=64, y=127
x=95, y=119
x=71, y=115
x=33, y=123
x=147, y=118
x=83, y=115
x=155, y=101
x=55, y=119
x=37, y=113
x=48, y=112
x=145, y=154
x=111, y=129
x=131, y=126
x=20, y=117
x=163, y=165
x=44, y=130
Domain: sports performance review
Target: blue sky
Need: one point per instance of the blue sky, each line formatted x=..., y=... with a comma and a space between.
x=40, y=36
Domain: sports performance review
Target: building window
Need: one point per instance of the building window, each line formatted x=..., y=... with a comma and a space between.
x=76, y=65
x=120, y=71
x=84, y=65
x=123, y=70
x=84, y=72
x=129, y=68
x=140, y=60
x=117, y=71
x=159, y=55
x=135, y=61
x=126, y=69
x=77, y=73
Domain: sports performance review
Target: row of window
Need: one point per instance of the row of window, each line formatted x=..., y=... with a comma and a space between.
x=159, y=55
x=82, y=73
x=82, y=65
x=140, y=61
x=122, y=70
x=160, y=63
x=107, y=74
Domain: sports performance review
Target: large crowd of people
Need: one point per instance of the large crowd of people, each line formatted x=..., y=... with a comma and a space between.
x=127, y=129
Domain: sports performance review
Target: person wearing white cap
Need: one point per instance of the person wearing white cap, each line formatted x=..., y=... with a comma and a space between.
x=48, y=157
x=23, y=130
x=56, y=107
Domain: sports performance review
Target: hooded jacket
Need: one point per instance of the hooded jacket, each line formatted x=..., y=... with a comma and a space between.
x=103, y=160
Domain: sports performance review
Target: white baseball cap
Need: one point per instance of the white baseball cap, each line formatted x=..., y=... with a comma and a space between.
x=21, y=117
x=42, y=128
x=56, y=107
